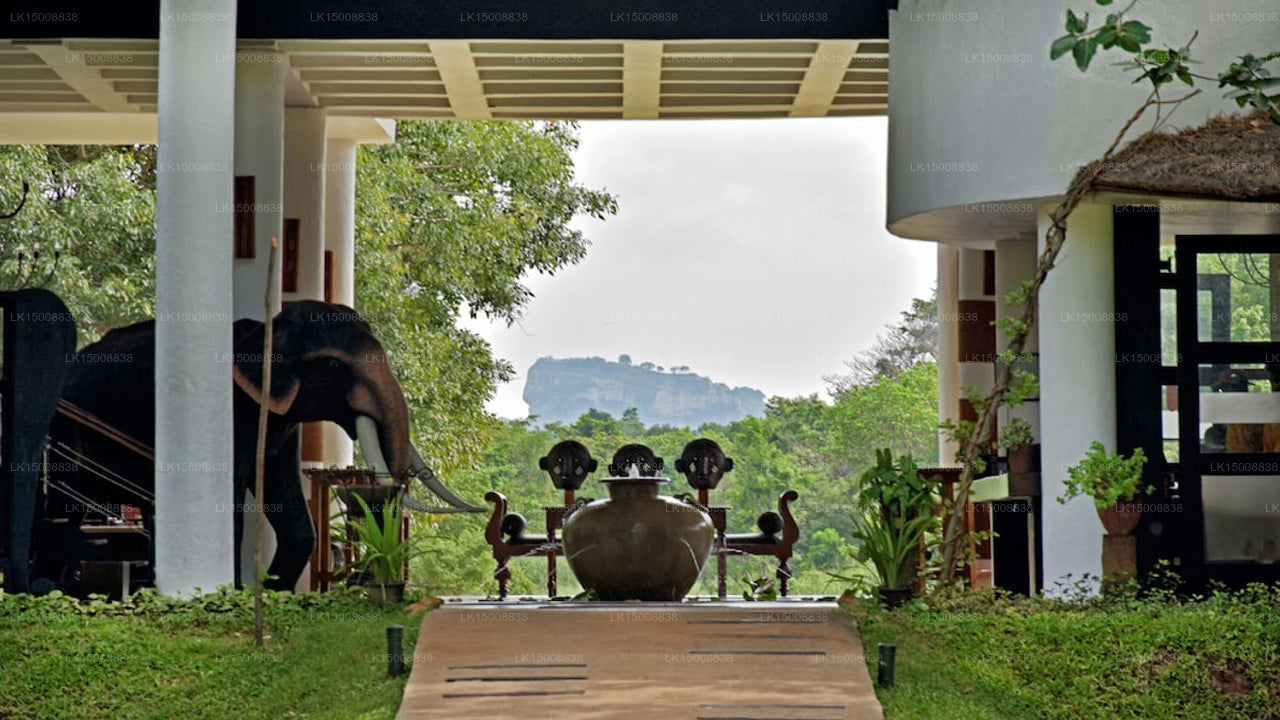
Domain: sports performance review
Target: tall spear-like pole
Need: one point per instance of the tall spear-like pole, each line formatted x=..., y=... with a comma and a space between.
x=260, y=456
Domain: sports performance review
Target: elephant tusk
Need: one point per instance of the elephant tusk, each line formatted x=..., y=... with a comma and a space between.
x=367, y=432
x=433, y=484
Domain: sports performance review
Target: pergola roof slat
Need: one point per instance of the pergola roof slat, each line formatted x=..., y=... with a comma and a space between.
x=482, y=78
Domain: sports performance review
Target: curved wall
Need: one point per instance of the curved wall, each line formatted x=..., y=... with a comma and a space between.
x=978, y=113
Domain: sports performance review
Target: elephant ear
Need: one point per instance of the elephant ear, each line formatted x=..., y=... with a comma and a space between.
x=246, y=367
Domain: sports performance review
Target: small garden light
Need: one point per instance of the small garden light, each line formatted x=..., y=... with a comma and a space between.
x=887, y=654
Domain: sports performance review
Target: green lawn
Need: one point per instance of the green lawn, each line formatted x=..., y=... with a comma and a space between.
x=986, y=658
x=326, y=660
x=972, y=656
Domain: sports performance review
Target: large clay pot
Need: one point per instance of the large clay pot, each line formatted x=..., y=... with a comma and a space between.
x=1121, y=519
x=637, y=545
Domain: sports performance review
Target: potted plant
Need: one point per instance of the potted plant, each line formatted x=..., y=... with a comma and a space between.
x=382, y=553
x=1115, y=484
x=896, y=510
x=1018, y=444
x=892, y=546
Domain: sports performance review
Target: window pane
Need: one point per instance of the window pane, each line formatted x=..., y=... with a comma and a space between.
x=1241, y=518
x=1169, y=421
x=1168, y=327
x=1234, y=297
x=1239, y=408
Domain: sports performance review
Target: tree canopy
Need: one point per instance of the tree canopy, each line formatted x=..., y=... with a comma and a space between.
x=450, y=218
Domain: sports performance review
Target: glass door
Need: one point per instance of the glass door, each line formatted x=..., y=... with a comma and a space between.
x=1228, y=375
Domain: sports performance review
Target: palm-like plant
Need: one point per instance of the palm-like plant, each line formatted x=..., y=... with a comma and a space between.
x=382, y=552
x=891, y=544
x=896, y=509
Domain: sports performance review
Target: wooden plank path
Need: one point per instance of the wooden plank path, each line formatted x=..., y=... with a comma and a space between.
x=574, y=661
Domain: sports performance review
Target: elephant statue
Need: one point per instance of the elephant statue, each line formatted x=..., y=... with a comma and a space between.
x=39, y=339
x=327, y=365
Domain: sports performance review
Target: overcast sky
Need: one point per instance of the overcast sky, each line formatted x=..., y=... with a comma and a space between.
x=753, y=251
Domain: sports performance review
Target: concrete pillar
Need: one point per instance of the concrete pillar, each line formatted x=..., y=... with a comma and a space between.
x=304, y=195
x=948, y=348
x=975, y=343
x=304, y=176
x=340, y=217
x=1077, y=385
x=1016, y=262
x=259, y=152
x=340, y=240
x=193, y=470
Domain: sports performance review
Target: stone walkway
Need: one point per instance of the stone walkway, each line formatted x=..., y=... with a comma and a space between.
x=706, y=661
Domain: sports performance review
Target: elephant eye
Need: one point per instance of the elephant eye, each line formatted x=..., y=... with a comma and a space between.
x=334, y=365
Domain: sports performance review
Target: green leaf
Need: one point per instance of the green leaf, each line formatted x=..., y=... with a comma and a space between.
x=1136, y=30
x=1104, y=3
x=1076, y=24
x=1061, y=46
x=1185, y=77
x=1107, y=37
x=1083, y=52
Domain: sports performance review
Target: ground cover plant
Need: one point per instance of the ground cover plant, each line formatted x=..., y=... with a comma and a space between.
x=157, y=657
x=985, y=654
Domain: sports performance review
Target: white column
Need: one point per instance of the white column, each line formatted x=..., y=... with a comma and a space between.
x=948, y=348
x=304, y=176
x=193, y=471
x=976, y=368
x=259, y=152
x=1016, y=262
x=1077, y=385
x=340, y=217
x=340, y=239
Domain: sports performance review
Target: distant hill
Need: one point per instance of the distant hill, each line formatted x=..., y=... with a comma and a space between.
x=561, y=390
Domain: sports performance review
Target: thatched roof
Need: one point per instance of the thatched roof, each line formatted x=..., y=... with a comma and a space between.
x=1230, y=157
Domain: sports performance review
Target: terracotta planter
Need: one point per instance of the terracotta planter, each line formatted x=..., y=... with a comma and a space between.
x=1122, y=518
x=637, y=545
x=1025, y=458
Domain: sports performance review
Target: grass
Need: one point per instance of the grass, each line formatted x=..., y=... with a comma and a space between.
x=990, y=657
x=324, y=661
x=975, y=655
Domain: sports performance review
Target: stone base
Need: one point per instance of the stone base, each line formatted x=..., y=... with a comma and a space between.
x=1119, y=556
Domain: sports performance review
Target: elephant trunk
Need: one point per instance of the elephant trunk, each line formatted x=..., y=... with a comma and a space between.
x=382, y=418
x=382, y=427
